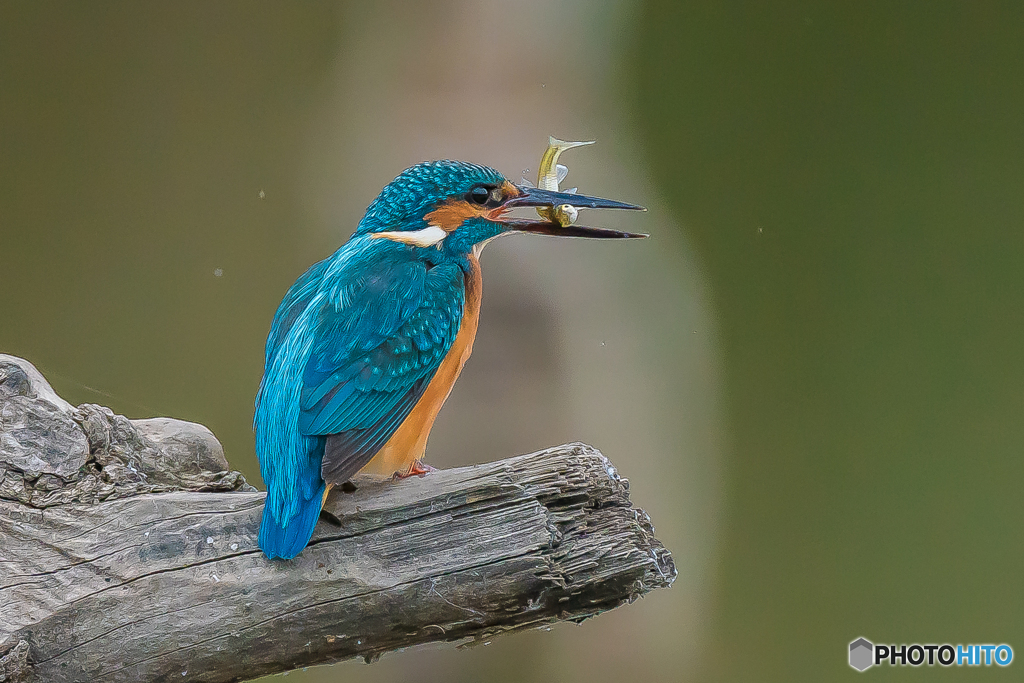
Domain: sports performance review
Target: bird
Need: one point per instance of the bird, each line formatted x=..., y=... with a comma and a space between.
x=366, y=345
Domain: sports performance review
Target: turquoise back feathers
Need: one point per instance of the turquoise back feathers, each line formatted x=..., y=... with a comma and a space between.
x=352, y=347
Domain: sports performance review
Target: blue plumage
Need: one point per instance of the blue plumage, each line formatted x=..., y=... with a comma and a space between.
x=409, y=197
x=358, y=338
x=286, y=540
x=376, y=327
x=353, y=345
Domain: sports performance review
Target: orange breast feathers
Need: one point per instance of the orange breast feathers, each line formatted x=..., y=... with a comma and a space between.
x=410, y=440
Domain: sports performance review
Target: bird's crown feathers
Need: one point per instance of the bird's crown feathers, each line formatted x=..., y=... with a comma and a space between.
x=417, y=190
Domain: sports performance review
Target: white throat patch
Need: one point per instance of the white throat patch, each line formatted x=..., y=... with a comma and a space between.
x=479, y=246
x=427, y=237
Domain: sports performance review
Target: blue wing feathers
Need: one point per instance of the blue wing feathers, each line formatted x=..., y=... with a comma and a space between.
x=353, y=346
x=346, y=452
x=295, y=302
x=370, y=384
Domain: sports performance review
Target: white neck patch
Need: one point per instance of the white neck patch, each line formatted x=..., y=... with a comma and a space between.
x=479, y=246
x=427, y=237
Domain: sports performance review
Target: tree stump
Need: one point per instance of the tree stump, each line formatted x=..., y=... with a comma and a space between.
x=128, y=552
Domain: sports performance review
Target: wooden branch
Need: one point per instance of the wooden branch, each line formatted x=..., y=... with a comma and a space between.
x=141, y=563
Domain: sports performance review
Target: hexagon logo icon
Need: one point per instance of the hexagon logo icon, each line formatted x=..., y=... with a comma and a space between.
x=862, y=654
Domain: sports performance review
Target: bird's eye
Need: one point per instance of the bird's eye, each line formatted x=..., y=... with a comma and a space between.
x=479, y=194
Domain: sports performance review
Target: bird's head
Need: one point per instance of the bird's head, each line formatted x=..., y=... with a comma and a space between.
x=454, y=206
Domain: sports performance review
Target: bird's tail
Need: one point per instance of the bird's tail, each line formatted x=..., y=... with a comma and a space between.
x=288, y=539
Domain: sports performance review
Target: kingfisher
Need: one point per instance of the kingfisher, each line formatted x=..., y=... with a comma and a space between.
x=367, y=344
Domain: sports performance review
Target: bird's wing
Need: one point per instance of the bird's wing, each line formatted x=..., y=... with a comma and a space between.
x=295, y=301
x=383, y=337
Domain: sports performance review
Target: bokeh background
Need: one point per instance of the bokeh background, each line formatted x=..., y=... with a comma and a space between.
x=812, y=373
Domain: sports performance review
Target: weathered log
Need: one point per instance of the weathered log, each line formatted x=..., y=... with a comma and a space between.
x=126, y=556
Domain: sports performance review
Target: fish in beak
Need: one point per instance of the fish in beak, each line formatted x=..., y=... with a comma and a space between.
x=536, y=197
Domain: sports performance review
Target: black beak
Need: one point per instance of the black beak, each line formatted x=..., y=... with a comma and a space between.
x=533, y=196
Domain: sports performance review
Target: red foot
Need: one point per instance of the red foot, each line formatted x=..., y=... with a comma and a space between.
x=417, y=468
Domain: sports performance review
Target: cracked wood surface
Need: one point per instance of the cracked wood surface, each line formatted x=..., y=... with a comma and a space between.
x=168, y=583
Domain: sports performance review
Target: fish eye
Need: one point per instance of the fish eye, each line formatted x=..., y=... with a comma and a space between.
x=479, y=195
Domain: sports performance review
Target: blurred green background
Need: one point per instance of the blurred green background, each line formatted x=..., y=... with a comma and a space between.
x=822, y=346
x=852, y=178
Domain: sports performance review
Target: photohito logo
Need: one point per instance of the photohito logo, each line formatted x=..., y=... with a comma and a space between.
x=864, y=654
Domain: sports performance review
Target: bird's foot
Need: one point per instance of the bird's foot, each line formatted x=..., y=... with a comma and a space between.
x=417, y=468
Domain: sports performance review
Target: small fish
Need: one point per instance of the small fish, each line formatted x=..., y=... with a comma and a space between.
x=550, y=173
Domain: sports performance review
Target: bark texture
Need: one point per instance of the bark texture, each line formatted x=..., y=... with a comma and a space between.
x=128, y=552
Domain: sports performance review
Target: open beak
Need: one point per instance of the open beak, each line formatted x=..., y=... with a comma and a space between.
x=534, y=196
